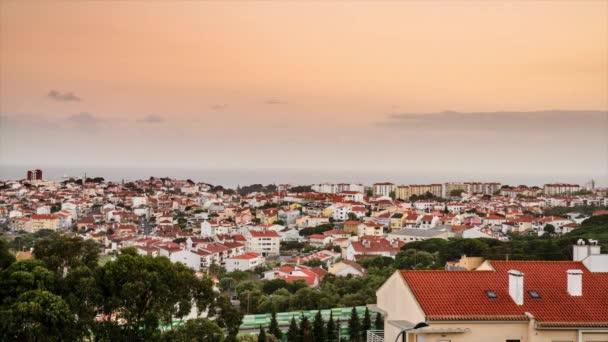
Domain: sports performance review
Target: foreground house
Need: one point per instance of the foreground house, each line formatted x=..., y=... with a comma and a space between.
x=507, y=301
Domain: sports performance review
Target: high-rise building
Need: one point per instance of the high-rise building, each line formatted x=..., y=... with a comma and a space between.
x=34, y=175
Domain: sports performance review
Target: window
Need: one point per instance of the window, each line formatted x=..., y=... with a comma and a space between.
x=491, y=295
x=513, y=340
x=534, y=294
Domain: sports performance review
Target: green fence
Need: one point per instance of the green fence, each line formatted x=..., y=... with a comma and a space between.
x=253, y=322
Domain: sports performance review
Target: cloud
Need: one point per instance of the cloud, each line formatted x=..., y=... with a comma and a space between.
x=59, y=96
x=274, y=101
x=84, y=120
x=219, y=107
x=564, y=122
x=151, y=119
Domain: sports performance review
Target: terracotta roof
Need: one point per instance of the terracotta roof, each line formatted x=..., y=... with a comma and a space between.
x=462, y=294
x=266, y=233
x=246, y=256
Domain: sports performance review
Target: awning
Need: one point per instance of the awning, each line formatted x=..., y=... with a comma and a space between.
x=427, y=330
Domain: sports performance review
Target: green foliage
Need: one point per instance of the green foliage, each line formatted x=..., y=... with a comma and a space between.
x=35, y=315
x=61, y=253
x=273, y=328
x=319, y=333
x=262, y=335
x=586, y=210
x=58, y=295
x=378, y=322
x=366, y=323
x=6, y=258
x=305, y=330
x=331, y=328
x=320, y=229
x=354, y=326
x=293, y=334
x=199, y=330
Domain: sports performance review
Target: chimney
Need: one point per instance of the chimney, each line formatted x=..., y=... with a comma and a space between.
x=580, y=250
x=516, y=286
x=594, y=249
x=575, y=283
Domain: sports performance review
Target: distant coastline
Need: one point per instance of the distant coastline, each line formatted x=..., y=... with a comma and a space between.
x=232, y=177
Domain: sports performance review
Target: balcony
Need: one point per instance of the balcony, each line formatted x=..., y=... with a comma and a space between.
x=375, y=336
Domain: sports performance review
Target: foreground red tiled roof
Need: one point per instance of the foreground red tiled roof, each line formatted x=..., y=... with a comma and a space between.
x=460, y=295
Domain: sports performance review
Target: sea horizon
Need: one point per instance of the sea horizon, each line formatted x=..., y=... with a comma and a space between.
x=231, y=177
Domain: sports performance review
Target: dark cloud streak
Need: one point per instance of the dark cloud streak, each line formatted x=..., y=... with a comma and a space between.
x=65, y=97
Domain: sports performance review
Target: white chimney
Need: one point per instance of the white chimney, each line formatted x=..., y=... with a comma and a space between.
x=516, y=286
x=580, y=250
x=575, y=283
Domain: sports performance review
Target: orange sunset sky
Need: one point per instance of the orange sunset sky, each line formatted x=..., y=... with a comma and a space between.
x=481, y=87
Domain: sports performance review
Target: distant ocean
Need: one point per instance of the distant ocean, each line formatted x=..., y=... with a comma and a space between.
x=233, y=177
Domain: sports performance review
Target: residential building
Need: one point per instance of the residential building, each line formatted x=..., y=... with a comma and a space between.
x=45, y=221
x=560, y=189
x=244, y=262
x=345, y=268
x=508, y=301
x=383, y=189
x=266, y=243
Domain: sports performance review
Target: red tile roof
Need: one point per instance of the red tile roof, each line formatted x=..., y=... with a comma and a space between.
x=266, y=233
x=460, y=295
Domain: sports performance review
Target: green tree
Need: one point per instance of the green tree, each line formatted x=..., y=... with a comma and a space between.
x=37, y=315
x=262, y=335
x=354, y=325
x=274, y=329
x=6, y=258
x=227, y=317
x=331, y=328
x=549, y=229
x=318, y=328
x=366, y=324
x=305, y=330
x=147, y=290
x=62, y=252
x=379, y=322
x=195, y=330
x=293, y=334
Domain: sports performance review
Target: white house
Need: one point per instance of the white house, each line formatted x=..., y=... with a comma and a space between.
x=244, y=262
x=265, y=243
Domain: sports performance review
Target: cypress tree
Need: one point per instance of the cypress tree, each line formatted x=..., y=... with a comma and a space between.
x=332, y=336
x=379, y=324
x=274, y=326
x=318, y=328
x=354, y=325
x=366, y=324
x=262, y=335
x=293, y=334
x=305, y=330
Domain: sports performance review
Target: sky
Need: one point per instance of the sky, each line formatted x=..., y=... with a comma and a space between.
x=474, y=87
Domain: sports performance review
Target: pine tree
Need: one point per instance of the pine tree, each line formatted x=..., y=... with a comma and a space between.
x=305, y=330
x=366, y=324
x=354, y=326
x=274, y=326
x=379, y=324
x=293, y=334
x=262, y=335
x=318, y=328
x=332, y=336
x=338, y=330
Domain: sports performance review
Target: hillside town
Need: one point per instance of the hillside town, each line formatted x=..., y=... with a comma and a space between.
x=265, y=244
x=201, y=225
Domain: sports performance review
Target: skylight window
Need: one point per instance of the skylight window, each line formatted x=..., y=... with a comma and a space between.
x=491, y=294
x=534, y=294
